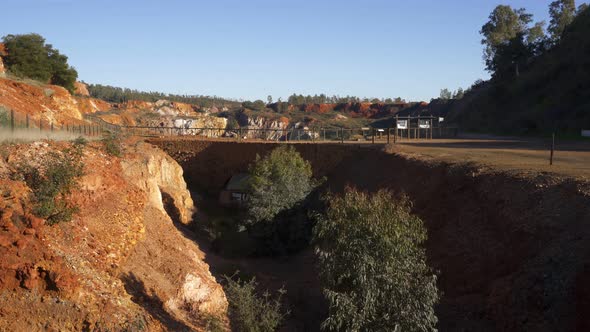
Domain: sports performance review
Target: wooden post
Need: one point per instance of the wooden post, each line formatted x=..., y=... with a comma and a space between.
x=40, y=125
x=12, y=120
x=27, y=121
x=373, y=138
x=552, y=149
x=341, y=134
x=388, y=130
x=431, y=124
x=395, y=132
x=51, y=126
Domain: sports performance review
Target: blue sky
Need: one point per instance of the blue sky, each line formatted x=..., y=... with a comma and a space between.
x=249, y=49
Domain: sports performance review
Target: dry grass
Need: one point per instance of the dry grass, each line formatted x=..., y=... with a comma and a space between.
x=30, y=135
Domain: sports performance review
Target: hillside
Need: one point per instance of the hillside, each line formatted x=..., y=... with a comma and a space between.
x=553, y=95
x=122, y=266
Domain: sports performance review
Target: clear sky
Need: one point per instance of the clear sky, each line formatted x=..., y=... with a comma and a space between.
x=248, y=49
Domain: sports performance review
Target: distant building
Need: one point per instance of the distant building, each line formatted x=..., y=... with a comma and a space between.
x=234, y=193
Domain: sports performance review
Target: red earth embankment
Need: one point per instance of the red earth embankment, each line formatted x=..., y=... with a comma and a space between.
x=513, y=250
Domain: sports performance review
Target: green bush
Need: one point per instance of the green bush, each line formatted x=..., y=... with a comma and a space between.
x=278, y=182
x=112, y=144
x=252, y=313
x=372, y=265
x=51, y=185
x=29, y=56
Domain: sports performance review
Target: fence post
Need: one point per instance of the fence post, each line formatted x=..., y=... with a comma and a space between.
x=40, y=125
x=388, y=130
x=27, y=121
x=373, y=138
x=12, y=120
x=341, y=134
x=552, y=149
x=431, y=124
x=51, y=126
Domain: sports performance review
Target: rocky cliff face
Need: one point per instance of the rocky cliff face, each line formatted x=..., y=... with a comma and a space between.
x=50, y=104
x=81, y=89
x=2, y=69
x=264, y=128
x=122, y=263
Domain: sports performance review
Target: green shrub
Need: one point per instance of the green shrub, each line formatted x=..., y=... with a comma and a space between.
x=52, y=185
x=252, y=313
x=112, y=144
x=80, y=142
x=278, y=182
x=4, y=116
x=278, y=203
x=372, y=267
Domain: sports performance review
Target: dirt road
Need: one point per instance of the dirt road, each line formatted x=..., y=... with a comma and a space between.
x=570, y=158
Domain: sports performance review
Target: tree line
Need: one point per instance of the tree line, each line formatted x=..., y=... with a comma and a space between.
x=296, y=99
x=121, y=95
x=512, y=40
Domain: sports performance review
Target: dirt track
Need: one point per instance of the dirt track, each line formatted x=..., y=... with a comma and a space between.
x=570, y=158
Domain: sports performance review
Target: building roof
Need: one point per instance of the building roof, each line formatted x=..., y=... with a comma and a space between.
x=238, y=182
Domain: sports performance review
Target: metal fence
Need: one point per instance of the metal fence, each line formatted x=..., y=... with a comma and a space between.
x=13, y=121
x=319, y=134
x=412, y=129
x=403, y=128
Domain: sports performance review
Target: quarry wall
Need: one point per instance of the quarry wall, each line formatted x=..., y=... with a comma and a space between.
x=513, y=250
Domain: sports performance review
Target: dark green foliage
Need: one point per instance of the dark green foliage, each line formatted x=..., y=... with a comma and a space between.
x=300, y=99
x=53, y=183
x=445, y=94
x=551, y=94
x=279, y=202
x=121, y=95
x=112, y=144
x=562, y=13
x=372, y=265
x=278, y=182
x=252, y=313
x=509, y=39
x=29, y=56
x=257, y=105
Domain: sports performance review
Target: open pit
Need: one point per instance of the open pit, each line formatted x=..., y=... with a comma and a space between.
x=512, y=249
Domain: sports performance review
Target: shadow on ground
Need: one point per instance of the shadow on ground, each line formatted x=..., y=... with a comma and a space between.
x=151, y=303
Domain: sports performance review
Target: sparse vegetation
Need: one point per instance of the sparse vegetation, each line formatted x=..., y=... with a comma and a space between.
x=250, y=312
x=52, y=183
x=112, y=143
x=372, y=265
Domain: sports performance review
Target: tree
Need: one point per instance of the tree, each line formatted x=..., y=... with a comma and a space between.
x=250, y=312
x=582, y=8
x=372, y=265
x=269, y=99
x=458, y=94
x=508, y=31
x=278, y=182
x=29, y=56
x=562, y=13
x=445, y=94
